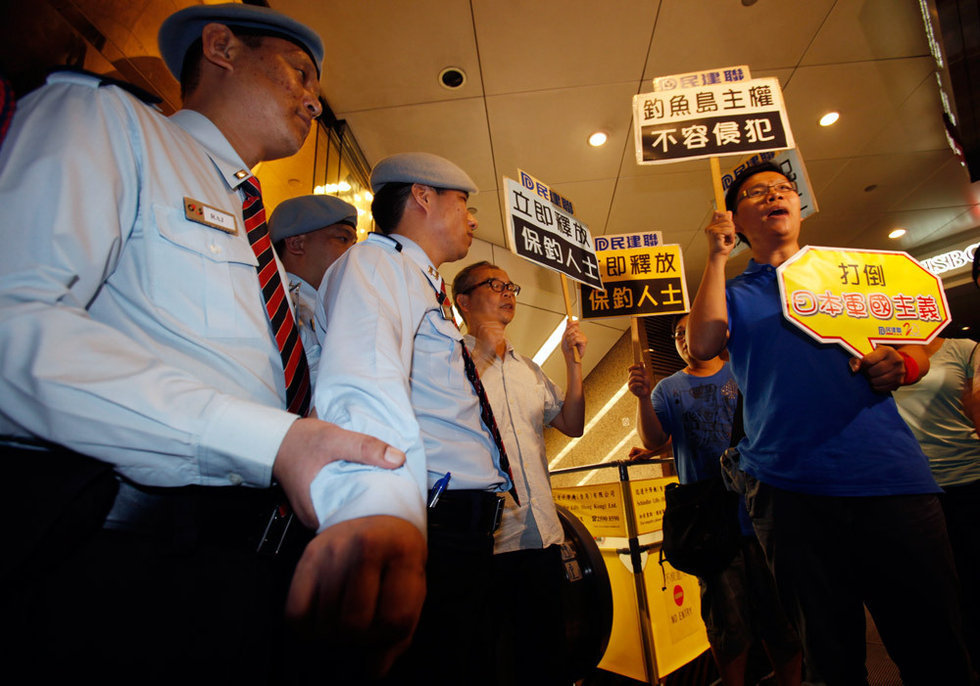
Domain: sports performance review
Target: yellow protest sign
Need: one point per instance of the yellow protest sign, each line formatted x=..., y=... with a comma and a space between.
x=861, y=298
x=638, y=281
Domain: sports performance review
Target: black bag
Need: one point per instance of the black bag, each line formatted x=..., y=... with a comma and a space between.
x=700, y=527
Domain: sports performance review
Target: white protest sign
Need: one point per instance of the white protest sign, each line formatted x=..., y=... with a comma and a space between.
x=710, y=121
x=542, y=232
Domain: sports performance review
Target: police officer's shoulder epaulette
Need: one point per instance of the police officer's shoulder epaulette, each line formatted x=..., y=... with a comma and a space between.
x=385, y=239
x=102, y=80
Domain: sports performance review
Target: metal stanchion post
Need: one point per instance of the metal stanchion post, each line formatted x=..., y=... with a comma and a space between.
x=646, y=626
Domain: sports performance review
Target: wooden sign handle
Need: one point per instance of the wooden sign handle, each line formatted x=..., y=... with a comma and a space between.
x=635, y=339
x=568, y=310
x=716, y=184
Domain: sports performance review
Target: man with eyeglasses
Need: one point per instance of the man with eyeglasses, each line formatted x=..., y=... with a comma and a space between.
x=394, y=366
x=527, y=556
x=839, y=492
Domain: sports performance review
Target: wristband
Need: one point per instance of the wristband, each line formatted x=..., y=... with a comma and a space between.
x=911, y=368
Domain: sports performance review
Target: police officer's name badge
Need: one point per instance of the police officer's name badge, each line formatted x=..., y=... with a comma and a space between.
x=197, y=211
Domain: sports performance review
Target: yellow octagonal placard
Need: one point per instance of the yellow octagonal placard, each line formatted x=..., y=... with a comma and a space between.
x=862, y=298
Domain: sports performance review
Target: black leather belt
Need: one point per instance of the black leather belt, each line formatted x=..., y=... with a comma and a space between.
x=466, y=512
x=256, y=519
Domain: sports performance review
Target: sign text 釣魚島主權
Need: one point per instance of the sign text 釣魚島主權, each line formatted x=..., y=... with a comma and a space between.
x=710, y=121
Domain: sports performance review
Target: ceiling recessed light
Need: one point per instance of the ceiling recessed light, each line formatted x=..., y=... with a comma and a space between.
x=452, y=78
x=897, y=233
x=829, y=118
x=598, y=138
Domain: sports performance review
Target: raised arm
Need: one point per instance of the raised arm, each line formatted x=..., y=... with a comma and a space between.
x=707, y=327
x=650, y=429
x=571, y=420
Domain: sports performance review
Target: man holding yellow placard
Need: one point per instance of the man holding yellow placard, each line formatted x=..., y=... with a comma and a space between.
x=839, y=491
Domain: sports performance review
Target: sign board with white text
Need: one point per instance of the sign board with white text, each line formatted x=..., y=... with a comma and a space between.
x=544, y=233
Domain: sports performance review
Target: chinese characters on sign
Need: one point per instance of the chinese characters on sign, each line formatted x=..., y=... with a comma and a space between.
x=860, y=298
x=701, y=78
x=707, y=121
x=638, y=282
x=542, y=232
x=544, y=191
x=648, y=504
x=599, y=508
x=645, y=239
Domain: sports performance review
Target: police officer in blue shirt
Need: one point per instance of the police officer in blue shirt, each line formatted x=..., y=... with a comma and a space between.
x=309, y=233
x=143, y=399
x=396, y=369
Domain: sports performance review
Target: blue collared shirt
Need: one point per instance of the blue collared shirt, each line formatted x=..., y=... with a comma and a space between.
x=811, y=424
x=391, y=366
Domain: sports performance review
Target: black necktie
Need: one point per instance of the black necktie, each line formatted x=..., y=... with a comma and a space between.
x=486, y=412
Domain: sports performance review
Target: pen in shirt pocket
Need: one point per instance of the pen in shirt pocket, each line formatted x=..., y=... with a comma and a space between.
x=437, y=489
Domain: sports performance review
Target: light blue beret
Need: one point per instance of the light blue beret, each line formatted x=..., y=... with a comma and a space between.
x=421, y=167
x=182, y=28
x=309, y=213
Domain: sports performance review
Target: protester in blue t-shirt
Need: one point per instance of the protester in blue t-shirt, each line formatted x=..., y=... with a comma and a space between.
x=693, y=409
x=839, y=491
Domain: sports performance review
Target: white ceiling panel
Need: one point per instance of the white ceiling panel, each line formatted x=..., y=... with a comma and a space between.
x=941, y=184
x=889, y=174
x=919, y=224
x=917, y=124
x=869, y=30
x=385, y=53
x=532, y=46
x=670, y=202
x=868, y=96
x=455, y=129
x=545, y=132
x=692, y=36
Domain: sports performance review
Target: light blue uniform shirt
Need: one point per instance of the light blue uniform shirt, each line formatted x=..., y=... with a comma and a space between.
x=304, y=300
x=391, y=366
x=128, y=332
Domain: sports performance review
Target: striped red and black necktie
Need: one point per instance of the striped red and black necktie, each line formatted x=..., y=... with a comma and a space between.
x=298, y=391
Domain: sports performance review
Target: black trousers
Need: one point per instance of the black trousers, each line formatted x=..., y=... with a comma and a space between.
x=961, y=506
x=530, y=626
x=183, y=599
x=832, y=555
x=454, y=643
